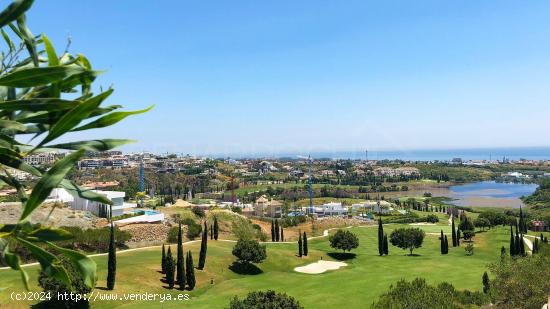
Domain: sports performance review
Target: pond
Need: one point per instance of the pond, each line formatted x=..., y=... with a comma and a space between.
x=490, y=194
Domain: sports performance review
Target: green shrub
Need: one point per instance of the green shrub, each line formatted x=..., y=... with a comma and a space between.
x=267, y=299
x=431, y=218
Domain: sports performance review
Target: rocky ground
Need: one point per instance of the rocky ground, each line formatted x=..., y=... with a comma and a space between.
x=60, y=216
x=147, y=232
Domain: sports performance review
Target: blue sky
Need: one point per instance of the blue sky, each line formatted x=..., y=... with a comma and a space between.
x=271, y=76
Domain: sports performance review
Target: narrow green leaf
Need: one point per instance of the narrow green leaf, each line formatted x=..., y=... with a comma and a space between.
x=49, y=234
x=111, y=119
x=28, y=38
x=86, y=266
x=14, y=10
x=31, y=77
x=50, y=180
x=12, y=125
x=49, y=263
x=8, y=40
x=73, y=117
x=13, y=261
x=11, y=158
x=50, y=51
x=38, y=105
x=84, y=193
x=94, y=145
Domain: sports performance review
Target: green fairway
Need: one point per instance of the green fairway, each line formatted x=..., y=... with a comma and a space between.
x=356, y=285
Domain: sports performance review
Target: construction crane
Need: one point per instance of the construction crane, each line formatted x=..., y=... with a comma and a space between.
x=309, y=184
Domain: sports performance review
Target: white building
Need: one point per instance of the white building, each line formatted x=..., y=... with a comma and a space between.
x=119, y=207
x=331, y=209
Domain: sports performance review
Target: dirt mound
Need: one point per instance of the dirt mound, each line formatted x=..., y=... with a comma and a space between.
x=60, y=216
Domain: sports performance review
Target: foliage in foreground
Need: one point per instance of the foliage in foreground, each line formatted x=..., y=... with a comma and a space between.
x=43, y=97
x=265, y=300
x=418, y=294
x=521, y=282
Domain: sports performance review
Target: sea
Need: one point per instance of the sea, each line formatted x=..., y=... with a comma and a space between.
x=489, y=154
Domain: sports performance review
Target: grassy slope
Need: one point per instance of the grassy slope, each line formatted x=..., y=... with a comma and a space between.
x=360, y=283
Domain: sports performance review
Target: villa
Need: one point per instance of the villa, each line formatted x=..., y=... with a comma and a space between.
x=267, y=208
x=119, y=207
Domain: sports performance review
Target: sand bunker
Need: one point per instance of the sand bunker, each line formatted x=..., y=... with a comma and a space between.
x=319, y=267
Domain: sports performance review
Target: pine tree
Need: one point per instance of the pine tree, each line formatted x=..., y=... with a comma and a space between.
x=180, y=271
x=380, y=237
x=216, y=228
x=386, y=249
x=277, y=235
x=442, y=243
x=304, y=244
x=282, y=234
x=300, y=244
x=486, y=283
x=204, y=239
x=453, y=231
x=170, y=268
x=190, y=271
x=111, y=266
x=163, y=260
x=512, y=243
x=458, y=237
x=273, y=230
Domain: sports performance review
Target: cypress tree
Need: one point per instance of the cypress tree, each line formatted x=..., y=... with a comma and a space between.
x=299, y=244
x=522, y=245
x=272, y=230
x=523, y=222
x=380, y=237
x=386, y=249
x=282, y=234
x=277, y=230
x=163, y=260
x=216, y=228
x=518, y=245
x=486, y=283
x=111, y=264
x=453, y=231
x=512, y=243
x=304, y=243
x=502, y=252
x=442, y=243
x=446, y=245
x=211, y=232
x=458, y=237
x=535, y=246
x=180, y=271
x=170, y=268
x=202, y=255
x=190, y=271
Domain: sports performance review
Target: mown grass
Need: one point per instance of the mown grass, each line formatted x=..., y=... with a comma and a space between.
x=357, y=285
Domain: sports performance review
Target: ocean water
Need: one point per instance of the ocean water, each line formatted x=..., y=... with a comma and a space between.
x=528, y=153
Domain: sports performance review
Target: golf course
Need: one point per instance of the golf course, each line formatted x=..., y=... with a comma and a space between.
x=366, y=276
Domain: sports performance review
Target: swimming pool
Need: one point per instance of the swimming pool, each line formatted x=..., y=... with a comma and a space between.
x=146, y=212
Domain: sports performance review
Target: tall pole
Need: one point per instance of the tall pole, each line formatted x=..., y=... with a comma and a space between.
x=141, y=176
x=310, y=188
x=366, y=155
